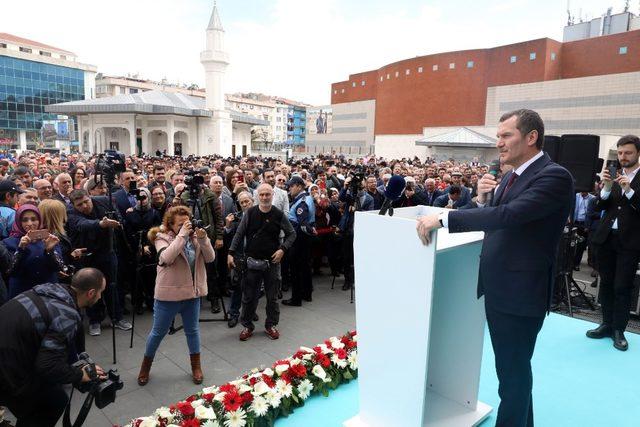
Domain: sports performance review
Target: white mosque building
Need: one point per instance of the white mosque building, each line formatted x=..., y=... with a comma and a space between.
x=152, y=121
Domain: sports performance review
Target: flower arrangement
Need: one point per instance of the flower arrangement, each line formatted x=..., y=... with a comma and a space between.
x=257, y=399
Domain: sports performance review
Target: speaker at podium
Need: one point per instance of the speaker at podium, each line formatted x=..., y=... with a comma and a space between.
x=422, y=368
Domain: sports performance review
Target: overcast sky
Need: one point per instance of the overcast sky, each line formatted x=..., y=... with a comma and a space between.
x=290, y=48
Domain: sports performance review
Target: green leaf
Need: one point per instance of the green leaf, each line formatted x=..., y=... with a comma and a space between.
x=347, y=375
x=295, y=398
x=325, y=392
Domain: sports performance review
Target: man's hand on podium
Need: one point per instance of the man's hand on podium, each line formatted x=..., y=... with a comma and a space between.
x=425, y=226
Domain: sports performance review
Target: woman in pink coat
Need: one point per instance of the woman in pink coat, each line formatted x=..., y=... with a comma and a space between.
x=180, y=282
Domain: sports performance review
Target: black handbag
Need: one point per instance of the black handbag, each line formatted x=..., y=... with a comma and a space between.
x=257, y=264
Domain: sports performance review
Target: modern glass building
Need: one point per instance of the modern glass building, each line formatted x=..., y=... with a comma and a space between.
x=296, y=124
x=30, y=79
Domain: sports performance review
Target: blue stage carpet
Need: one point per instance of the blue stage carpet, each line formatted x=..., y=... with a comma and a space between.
x=577, y=382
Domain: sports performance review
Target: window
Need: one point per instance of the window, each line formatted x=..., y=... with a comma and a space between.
x=419, y=69
x=342, y=91
x=397, y=73
x=553, y=56
x=43, y=53
x=434, y=68
x=63, y=56
x=25, y=50
x=278, y=119
x=469, y=64
x=133, y=90
x=381, y=78
x=407, y=72
x=387, y=76
x=622, y=50
x=513, y=59
x=251, y=107
x=353, y=84
x=3, y=45
x=335, y=92
x=452, y=65
x=362, y=83
x=532, y=56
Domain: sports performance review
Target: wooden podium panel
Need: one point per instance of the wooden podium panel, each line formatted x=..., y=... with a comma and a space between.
x=420, y=325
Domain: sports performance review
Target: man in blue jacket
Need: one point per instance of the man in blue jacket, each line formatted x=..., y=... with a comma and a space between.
x=523, y=223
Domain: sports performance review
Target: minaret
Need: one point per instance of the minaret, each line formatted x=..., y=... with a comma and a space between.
x=214, y=135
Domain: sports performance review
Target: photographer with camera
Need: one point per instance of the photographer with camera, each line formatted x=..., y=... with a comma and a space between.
x=183, y=249
x=34, y=358
x=90, y=226
x=355, y=198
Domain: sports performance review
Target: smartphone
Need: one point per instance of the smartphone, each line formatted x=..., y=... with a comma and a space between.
x=612, y=167
x=132, y=185
x=38, y=234
x=240, y=178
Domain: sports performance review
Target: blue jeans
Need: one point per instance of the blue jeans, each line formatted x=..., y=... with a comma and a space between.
x=163, y=314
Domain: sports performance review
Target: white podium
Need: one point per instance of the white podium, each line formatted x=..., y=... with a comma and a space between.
x=420, y=325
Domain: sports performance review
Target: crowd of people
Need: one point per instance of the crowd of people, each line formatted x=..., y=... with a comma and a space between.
x=177, y=232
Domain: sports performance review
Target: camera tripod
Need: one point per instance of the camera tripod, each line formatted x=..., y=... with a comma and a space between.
x=564, y=277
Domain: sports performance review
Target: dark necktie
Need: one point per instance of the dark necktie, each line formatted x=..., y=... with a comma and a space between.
x=512, y=179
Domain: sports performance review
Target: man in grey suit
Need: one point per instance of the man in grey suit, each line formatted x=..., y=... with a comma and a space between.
x=228, y=207
x=217, y=186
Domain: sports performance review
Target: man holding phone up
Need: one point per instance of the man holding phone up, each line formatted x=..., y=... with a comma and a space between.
x=617, y=241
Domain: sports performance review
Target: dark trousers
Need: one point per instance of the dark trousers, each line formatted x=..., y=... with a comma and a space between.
x=110, y=297
x=145, y=284
x=43, y=409
x=251, y=295
x=617, y=267
x=581, y=246
x=301, y=286
x=513, y=339
x=347, y=258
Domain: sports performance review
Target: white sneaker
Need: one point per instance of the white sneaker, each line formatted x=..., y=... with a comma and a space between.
x=123, y=325
x=94, y=329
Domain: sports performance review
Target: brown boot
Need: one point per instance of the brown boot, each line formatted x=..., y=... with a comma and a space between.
x=196, y=370
x=143, y=376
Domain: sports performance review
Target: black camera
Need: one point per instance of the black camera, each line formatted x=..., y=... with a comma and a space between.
x=135, y=191
x=103, y=391
x=197, y=223
x=357, y=179
x=194, y=182
x=109, y=164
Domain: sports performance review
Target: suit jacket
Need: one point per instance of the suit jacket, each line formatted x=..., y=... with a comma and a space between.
x=522, y=232
x=432, y=198
x=465, y=195
x=228, y=206
x=443, y=201
x=121, y=201
x=626, y=210
x=590, y=200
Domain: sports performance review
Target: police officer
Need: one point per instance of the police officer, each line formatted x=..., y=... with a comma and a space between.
x=302, y=216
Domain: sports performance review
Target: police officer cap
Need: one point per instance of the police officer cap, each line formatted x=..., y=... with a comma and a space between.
x=9, y=186
x=295, y=179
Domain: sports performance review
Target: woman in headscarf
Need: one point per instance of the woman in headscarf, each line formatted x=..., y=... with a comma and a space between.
x=137, y=223
x=36, y=259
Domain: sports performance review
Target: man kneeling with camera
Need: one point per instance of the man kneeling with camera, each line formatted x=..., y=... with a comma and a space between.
x=34, y=356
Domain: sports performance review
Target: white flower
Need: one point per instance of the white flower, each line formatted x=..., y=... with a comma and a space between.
x=244, y=388
x=295, y=362
x=307, y=357
x=210, y=390
x=336, y=343
x=268, y=372
x=355, y=338
x=236, y=418
x=319, y=372
x=165, y=413
x=353, y=360
x=340, y=363
x=274, y=398
x=284, y=388
x=220, y=396
x=204, y=413
x=210, y=423
x=325, y=349
x=306, y=349
x=197, y=403
x=281, y=368
x=260, y=388
x=304, y=389
x=259, y=406
x=148, y=422
x=173, y=425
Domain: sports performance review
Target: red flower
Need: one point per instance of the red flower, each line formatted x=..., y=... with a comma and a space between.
x=268, y=381
x=208, y=397
x=247, y=398
x=348, y=342
x=186, y=409
x=229, y=388
x=253, y=381
x=352, y=333
x=323, y=360
x=191, y=398
x=286, y=377
x=298, y=371
x=327, y=343
x=317, y=349
x=299, y=354
x=341, y=353
x=190, y=423
x=232, y=401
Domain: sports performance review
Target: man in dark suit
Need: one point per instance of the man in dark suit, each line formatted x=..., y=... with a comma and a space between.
x=431, y=192
x=121, y=198
x=64, y=185
x=617, y=240
x=523, y=223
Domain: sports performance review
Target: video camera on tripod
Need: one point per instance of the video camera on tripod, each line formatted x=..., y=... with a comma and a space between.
x=357, y=180
x=194, y=182
x=109, y=164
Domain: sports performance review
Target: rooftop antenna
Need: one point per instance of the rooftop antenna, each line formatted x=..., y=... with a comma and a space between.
x=569, y=17
x=626, y=6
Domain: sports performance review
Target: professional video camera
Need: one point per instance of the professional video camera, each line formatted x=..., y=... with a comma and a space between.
x=135, y=191
x=194, y=183
x=357, y=180
x=109, y=164
x=103, y=391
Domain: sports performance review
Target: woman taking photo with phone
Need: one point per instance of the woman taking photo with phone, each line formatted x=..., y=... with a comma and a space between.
x=180, y=282
x=37, y=256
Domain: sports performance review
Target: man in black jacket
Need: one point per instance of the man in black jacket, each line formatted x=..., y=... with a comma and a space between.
x=90, y=227
x=618, y=242
x=44, y=323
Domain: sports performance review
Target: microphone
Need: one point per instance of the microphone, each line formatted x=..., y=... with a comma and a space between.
x=494, y=169
x=393, y=192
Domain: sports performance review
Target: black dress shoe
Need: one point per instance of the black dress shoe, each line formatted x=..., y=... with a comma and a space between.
x=215, y=306
x=346, y=286
x=256, y=318
x=619, y=341
x=602, y=331
x=308, y=299
x=292, y=303
x=233, y=321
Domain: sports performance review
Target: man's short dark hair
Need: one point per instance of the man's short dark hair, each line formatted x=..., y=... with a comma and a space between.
x=22, y=170
x=86, y=279
x=4, y=162
x=158, y=168
x=527, y=121
x=629, y=139
x=455, y=189
x=77, y=195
